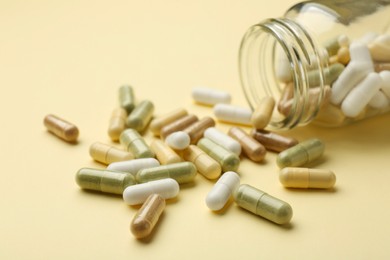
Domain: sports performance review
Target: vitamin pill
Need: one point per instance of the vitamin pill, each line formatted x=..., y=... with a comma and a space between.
x=182, y=172
x=126, y=98
x=178, y=125
x=273, y=141
x=296, y=177
x=137, y=194
x=379, y=67
x=343, y=55
x=140, y=117
x=117, y=123
x=379, y=100
x=107, y=154
x=263, y=112
x=209, y=96
x=205, y=165
x=380, y=48
x=196, y=130
x=300, y=154
x=147, y=216
x=233, y=114
x=61, y=128
x=134, y=143
x=359, y=52
x=330, y=115
x=133, y=166
x=330, y=74
x=164, y=153
x=228, y=160
x=251, y=148
x=263, y=204
x=159, y=122
x=222, y=190
x=178, y=140
x=223, y=140
x=104, y=180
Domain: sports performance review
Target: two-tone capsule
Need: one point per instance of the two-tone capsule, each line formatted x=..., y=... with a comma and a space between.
x=135, y=144
x=205, y=165
x=222, y=190
x=61, y=128
x=107, y=154
x=164, y=153
x=297, y=177
x=178, y=125
x=158, y=123
x=182, y=172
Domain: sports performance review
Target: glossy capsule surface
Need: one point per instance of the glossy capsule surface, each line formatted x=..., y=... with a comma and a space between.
x=178, y=125
x=205, y=165
x=272, y=141
x=133, y=166
x=223, y=140
x=161, y=121
x=107, y=154
x=263, y=112
x=195, y=131
x=135, y=144
x=263, y=204
x=104, y=180
x=117, y=123
x=297, y=177
x=126, y=98
x=182, y=172
x=251, y=148
x=147, y=216
x=61, y=128
x=140, y=117
x=222, y=190
x=164, y=153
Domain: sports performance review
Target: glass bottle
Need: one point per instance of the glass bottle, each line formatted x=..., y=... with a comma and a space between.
x=305, y=58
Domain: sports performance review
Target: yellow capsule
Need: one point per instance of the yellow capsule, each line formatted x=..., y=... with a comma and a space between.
x=159, y=122
x=61, y=128
x=206, y=165
x=296, y=177
x=107, y=154
x=263, y=113
x=164, y=153
x=117, y=123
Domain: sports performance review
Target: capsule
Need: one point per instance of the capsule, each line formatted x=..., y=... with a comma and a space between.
x=196, y=130
x=208, y=96
x=223, y=140
x=159, y=122
x=164, y=153
x=178, y=125
x=263, y=204
x=263, y=113
x=61, y=128
x=297, y=177
x=117, y=123
x=233, y=114
x=137, y=194
x=182, y=172
x=251, y=148
x=133, y=166
x=273, y=141
x=107, y=154
x=178, y=140
x=301, y=153
x=126, y=98
x=140, y=117
x=134, y=143
x=229, y=161
x=222, y=190
x=205, y=165
x=147, y=216
x=104, y=180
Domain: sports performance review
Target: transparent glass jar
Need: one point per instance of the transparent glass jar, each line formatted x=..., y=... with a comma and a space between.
x=305, y=58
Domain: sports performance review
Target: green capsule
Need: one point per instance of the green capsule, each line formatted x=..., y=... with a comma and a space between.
x=135, y=144
x=104, y=180
x=182, y=172
x=301, y=153
x=331, y=74
x=228, y=160
x=126, y=98
x=140, y=117
x=263, y=204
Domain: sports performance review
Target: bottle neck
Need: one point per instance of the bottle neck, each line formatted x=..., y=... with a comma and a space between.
x=278, y=54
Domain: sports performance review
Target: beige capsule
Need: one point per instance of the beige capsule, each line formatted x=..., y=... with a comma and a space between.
x=251, y=148
x=178, y=125
x=273, y=141
x=297, y=177
x=263, y=112
x=343, y=55
x=196, y=130
x=164, y=154
x=107, y=154
x=117, y=123
x=286, y=95
x=206, y=165
x=61, y=128
x=381, y=66
x=158, y=123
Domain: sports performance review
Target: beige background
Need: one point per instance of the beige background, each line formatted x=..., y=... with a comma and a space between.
x=70, y=57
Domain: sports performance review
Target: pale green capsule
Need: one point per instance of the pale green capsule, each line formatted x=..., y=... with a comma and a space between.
x=331, y=74
x=263, y=204
x=140, y=117
x=135, y=144
x=104, y=180
x=301, y=153
x=228, y=160
x=126, y=98
x=182, y=172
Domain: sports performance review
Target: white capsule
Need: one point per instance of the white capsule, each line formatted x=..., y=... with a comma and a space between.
x=222, y=190
x=359, y=97
x=137, y=194
x=209, y=96
x=178, y=140
x=233, y=114
x=379, y=100
x=359, y=52
x=385, y=76
x=343, y=40
x=133, y=166
x=368, y=38
x=223, y=140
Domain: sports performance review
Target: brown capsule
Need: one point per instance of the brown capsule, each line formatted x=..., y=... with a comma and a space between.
x=286, y=95
x=178, y=125
x=273, y=141
x=159, y=122
x=61, y=128
x=251, y=148
x=147, y=216
x=117, y=123
x=196, y=130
